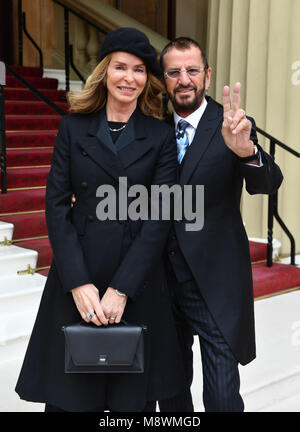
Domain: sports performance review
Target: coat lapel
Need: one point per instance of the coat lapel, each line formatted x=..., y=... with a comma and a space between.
x=103, y=133
x=99, y=146
x=206, y=128
x=132, y=143
x=127, y=135
x=115, y=157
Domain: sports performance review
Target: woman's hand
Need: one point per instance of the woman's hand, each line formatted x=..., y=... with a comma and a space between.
x=113, y=305
x=87, y=300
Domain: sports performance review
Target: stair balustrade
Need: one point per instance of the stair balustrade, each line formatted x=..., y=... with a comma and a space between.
x=273, y=212
x=36, y=92
x=273, y=202
x=22, y=28
x=92, y=42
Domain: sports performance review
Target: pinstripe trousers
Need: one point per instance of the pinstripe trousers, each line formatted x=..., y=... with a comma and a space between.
x=221, y=381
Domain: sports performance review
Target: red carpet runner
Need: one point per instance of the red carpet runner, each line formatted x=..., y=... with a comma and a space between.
x=31, y=127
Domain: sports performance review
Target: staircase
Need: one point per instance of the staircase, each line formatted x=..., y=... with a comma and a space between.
x=31, y=127
x=273, y=280
x=25, y=252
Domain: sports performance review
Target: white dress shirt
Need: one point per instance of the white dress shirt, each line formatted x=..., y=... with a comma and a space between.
x=193, y=120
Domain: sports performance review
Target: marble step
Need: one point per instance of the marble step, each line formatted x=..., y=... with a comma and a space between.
x=6, y=231
x=287, y=260
x=19, y=300
x=14, y=259
x=11, y=359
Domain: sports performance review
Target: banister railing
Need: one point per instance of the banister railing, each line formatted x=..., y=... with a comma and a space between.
x=273, y=202
x=36, y=92
x=22, y=28
x=277, y=142
x=69, y=48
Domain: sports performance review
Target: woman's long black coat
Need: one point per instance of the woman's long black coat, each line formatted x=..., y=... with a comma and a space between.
x=126, y=255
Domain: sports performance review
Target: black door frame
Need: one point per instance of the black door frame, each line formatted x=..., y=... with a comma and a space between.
x=6, y=32
x=171, y=19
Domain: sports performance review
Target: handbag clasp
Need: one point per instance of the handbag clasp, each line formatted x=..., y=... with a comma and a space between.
x=102, y=359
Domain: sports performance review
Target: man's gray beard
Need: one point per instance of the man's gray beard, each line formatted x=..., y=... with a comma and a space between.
x=190, y=106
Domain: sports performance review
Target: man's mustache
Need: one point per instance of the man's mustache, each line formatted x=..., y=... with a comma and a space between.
x=180, y=87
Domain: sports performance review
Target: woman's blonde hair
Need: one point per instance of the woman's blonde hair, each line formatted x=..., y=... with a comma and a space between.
x=94, y=94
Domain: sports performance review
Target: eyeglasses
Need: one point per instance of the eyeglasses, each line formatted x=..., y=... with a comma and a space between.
x=175, y=73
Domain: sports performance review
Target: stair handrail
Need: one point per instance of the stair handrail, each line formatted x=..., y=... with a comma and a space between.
x=273, y=201
x=277, y=142
x=273, y=204
x=36, y=92
x=104, y=18
x=22, y=28
x=73, y=65
x=2, y=129
x=69, y=48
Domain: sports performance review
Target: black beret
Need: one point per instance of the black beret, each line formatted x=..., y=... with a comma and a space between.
x=134, y=42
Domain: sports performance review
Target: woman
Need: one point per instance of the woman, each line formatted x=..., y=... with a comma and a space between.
x=105, y=270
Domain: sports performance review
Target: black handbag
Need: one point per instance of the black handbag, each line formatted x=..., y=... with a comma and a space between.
x=115, y=348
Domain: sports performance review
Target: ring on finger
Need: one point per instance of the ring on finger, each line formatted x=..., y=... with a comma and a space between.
x=91, y=315
x=112, y=318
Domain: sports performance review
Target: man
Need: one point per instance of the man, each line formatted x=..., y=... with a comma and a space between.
x=211, y=269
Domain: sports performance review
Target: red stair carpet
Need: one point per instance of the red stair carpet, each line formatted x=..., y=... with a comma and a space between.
x=31, y=129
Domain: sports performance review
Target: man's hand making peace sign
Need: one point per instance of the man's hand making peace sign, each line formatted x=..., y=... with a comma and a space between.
x=236, y=127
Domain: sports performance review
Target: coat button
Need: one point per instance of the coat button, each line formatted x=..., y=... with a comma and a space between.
x=84, y=153
x=172, y=253
x=90, y=218
x=84, y=185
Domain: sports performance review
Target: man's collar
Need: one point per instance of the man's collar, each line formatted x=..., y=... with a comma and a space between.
x=194, y=118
